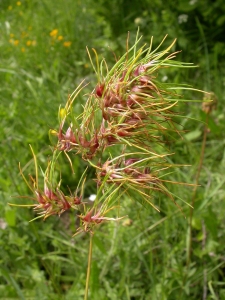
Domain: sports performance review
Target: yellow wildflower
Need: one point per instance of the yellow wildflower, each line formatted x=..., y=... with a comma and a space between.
x=54, y=32
x=10, y=7
x=28, y=43
x=60, y=37
x=18, y=3
x=34, y=43
x=16, y=42
x=22, y=49
x=67, y=44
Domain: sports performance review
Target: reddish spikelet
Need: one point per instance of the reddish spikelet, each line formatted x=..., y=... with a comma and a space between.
x=67, y=141
x=77, y=200
x=69, y=136
x=83, y=142
x=130, y=161
x=99, y=89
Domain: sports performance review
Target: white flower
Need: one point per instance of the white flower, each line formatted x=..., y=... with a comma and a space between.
x=182, y=18
x=92, y=197
x=164, y=78
x=3, y=224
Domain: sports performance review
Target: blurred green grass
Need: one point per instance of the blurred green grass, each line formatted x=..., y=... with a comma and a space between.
x=42, y=59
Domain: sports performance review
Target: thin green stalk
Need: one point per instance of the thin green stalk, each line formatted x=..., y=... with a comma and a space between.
x=195, y=190
x=89, y=266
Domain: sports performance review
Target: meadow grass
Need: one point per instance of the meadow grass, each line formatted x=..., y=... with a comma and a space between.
x=42, y=59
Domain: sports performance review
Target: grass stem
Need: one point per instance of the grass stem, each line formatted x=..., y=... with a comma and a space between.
x=89, y=266
x=195, y=189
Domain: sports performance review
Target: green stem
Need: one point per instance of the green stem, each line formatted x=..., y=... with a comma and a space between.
x=195, y=190
x=88, y=267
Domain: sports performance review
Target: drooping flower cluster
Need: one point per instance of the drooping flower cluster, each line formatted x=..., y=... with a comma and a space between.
x=131, y=108
x=51, y=200
x=122, y=132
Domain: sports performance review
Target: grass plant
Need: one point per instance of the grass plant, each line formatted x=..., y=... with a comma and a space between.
x=143, y=255
x=127, y=123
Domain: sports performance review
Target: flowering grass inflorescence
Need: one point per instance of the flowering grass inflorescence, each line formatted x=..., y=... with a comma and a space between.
x=123, y=132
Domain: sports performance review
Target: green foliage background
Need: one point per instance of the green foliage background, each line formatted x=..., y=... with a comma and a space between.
x=145, y=257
